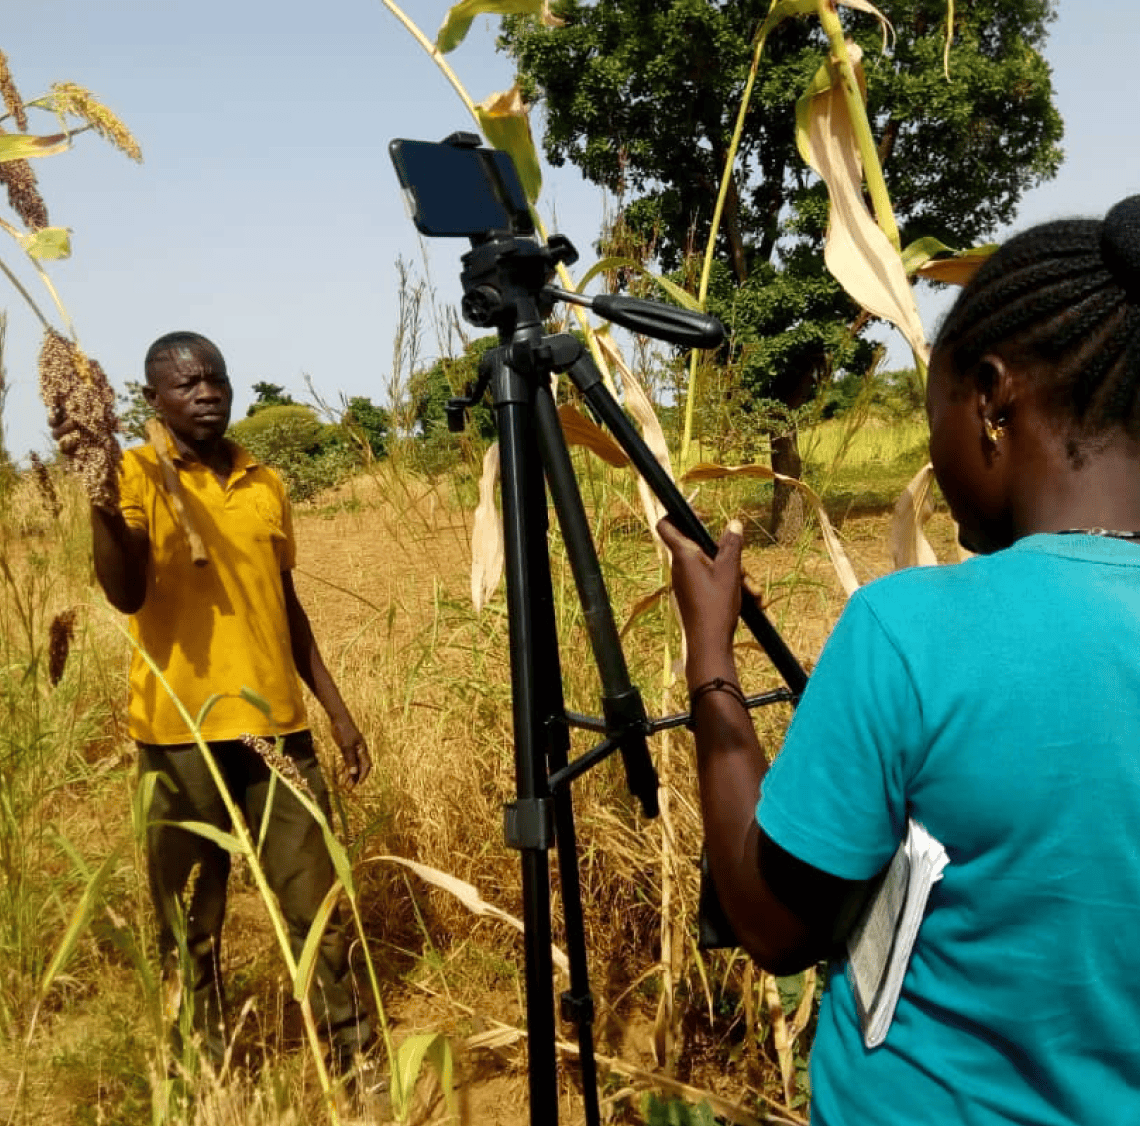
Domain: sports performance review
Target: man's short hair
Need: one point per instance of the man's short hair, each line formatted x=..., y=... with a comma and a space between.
x=195, y=341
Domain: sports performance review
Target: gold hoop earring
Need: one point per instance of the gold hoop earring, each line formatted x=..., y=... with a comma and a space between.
x=995, y=431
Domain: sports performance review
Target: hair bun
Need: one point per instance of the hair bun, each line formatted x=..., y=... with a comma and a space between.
x=1120, y=244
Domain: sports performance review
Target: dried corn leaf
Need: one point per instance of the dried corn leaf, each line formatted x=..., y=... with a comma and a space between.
x=495, y=1038
x=909, y=545
x=734, y=1113
x=857, y=252
x=804, y=1008
x=22, y=146
x=505, y=123
x=704, y=471
x=471, y=899
x=781, y=1041
x=499, y=1034
x=460, y=16
x=638, y=404
x=581, y=431
x=643, y=606
x=487, y=554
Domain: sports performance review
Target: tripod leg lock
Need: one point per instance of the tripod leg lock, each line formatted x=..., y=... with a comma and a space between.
x=576, y=1010
x=529, y=823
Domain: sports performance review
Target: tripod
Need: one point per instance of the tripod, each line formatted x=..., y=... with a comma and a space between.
x=505, y=286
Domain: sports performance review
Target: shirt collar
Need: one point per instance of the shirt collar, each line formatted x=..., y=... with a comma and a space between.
x=241, y=460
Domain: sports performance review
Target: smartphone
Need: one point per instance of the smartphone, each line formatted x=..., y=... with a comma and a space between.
x=456, y=188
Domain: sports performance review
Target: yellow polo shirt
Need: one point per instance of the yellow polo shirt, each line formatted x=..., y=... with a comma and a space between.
x=221, y=627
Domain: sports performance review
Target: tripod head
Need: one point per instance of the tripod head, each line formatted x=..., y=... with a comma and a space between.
x=456, y=188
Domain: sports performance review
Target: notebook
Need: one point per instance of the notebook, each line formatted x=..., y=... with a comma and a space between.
x=880, y=944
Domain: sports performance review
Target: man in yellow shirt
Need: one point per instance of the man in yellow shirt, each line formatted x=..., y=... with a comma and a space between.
x=233, y=623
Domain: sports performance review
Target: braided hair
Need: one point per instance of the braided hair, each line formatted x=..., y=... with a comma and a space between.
x=1062, y=299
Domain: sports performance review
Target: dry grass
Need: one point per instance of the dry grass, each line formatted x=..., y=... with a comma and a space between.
x=384, y=573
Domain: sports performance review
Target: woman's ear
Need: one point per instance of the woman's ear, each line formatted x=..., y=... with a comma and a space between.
x=997, y=388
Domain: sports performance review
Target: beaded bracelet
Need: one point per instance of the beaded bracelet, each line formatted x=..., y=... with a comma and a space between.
x=717, y=684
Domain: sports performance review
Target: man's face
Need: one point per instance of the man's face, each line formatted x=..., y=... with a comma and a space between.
x=188, y=387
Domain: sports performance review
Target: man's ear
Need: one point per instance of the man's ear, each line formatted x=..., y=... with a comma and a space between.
x=150, y=395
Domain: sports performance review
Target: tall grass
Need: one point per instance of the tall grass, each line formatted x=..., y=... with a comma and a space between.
x=384, y=572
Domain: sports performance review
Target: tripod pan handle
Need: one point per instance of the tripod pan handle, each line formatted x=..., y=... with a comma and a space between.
x=664, y=322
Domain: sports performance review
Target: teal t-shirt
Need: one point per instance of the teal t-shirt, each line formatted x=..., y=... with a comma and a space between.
x=998, y=703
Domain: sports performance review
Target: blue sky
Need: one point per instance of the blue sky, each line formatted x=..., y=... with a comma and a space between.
x=266, y=213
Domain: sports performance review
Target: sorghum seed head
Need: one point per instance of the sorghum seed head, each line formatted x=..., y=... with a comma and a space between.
x=45, y=485
x=76, y=389
x=60, y=633
x=275, y=760
x=12, y=100
x=24, y=193
x=74, y=99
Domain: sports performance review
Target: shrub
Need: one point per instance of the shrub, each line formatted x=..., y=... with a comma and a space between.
x=310, y=455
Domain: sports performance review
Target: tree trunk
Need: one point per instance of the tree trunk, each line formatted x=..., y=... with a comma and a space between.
x=789, y=511
x=793, y=389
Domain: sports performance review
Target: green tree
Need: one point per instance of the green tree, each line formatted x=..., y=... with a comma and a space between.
x=642, y=95
x=309, y=454
x=431, y=387
x=269, y=395
x=371, y=423
x=435, y=448
x=134, y=410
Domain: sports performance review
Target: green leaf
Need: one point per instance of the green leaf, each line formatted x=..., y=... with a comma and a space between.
x=949, y=38
x=922, y=250
x=205, y=710
x=80, y=918
x=432, y=1047
x=48, y=244
x=957, y=267
x=342, y=865
x=307, y=962
x=782, y=10
x=211, y=832
x=682, y=296
x=21, y=146
x=458, y=20
x=259, y=702
x=263, y=828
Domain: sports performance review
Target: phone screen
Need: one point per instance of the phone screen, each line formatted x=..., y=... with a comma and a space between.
x=455, y=190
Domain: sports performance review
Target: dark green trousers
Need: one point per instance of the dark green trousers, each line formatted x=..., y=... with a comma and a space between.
x=188, y=875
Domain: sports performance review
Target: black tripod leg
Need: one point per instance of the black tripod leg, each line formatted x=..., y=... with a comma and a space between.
x=578, y=1001
x=626, y=720
x=529, y=822
x=625, y=716
x=586, y=377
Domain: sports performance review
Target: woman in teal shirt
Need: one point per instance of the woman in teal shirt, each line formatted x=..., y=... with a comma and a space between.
x=997, y=703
